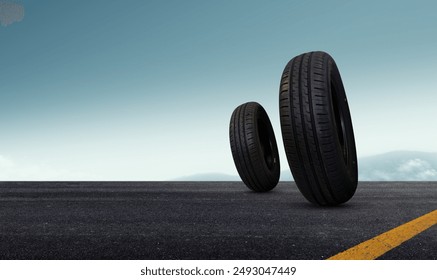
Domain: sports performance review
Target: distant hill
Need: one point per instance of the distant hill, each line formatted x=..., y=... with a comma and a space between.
x=399, y=166
x=392, y=166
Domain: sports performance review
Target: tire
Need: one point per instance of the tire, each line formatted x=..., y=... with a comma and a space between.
x=317, y=129
x=254, y=147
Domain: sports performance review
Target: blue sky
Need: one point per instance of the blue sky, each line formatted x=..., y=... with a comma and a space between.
x=143, y=90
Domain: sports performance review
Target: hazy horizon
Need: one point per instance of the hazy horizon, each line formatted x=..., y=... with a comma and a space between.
x=391, y=166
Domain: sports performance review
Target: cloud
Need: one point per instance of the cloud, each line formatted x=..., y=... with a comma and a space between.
x=10, y=12
x=418, y=169
x=5, y=162
x=11, y=170
x=413, y=165
x=399, y=166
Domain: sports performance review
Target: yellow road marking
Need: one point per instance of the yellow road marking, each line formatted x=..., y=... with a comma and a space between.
x=381, y=244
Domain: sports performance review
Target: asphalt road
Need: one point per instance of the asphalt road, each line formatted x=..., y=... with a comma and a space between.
x=202, y=220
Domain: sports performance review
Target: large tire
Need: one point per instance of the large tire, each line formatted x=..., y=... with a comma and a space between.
x=254, y=147
x=317, y=129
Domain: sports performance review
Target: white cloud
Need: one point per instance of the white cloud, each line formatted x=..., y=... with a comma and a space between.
x=417, y=169
x=10, y=12
x=413, y=165
x=5, y=162
x=399, y=166
x=427, y=174
x=11, y=170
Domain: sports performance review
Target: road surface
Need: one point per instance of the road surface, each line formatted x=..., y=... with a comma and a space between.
x=203, y=220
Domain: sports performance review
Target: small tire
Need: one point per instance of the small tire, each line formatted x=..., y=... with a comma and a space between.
x=317, y=129
x=254, y=147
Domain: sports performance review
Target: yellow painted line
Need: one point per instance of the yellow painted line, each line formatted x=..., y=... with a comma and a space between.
x=381, y=244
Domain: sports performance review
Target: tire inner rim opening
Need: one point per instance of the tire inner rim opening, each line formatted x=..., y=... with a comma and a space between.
x=339, y=122
x=266, y=143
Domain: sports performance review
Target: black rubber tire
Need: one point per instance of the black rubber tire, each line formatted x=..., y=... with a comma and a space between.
x=254, y=147
x=317, y=129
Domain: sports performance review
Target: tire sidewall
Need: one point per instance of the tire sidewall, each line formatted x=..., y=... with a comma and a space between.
x=348, y=166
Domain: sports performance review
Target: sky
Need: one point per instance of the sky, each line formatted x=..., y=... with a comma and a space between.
x=144, y=90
